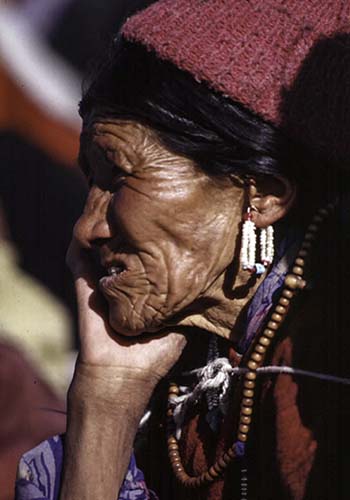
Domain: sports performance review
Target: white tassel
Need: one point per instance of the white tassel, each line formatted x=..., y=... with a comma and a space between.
x=266, y=246
x=248, y=251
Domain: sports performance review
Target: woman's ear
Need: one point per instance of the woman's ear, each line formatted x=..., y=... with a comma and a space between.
x=271, y=198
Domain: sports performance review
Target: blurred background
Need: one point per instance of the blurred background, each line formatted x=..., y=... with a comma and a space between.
x=47, y=48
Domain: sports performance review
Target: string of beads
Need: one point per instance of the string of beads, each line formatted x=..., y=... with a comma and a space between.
x=292, y=283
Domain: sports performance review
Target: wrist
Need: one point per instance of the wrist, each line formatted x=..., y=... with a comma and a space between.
x=110, y=391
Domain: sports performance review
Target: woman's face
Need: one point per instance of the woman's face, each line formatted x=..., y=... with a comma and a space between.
x=164, y=231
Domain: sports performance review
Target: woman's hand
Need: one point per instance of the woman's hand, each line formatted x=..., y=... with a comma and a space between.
x=113, y=382
x=100, y=345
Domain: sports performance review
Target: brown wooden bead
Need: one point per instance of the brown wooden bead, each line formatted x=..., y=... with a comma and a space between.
x=247, y=402
x=291, y=281
x=298, y=270
x=273, y=325
x=218, y=467
x=173, y=454
x=260, y=348
x=302, y=284
x=264, y=341
x=309, y=236
x=248, y=393
x=226, y=458
x=183, y=477
x=231, y=453
x=172, y=447
x=174, y=389
x=276, y=317
x=313, y=228
x=269, y=333
x=284, y=301
x=323, y=211
x=252, y=365
x=294, y=282
x=303, y=252
x=317, y=219
x=250, y=376
x=249, y=384
x=246, y=410
x=222, y=462
x=178, y=467
x=256, y=357
x=306, y=245
x=194, y=482
x=244, y=429
x=190, y=482
x=207, y=477
x=172, y=440
x=299, y=262
x=242, y=437
x=175, y=461
x=245, y=419
x=288, y=294
x=281, y=310
x=213, y=473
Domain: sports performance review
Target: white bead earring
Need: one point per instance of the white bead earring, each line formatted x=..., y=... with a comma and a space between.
x=249, y=243
x=266, y=245
x=248, y=251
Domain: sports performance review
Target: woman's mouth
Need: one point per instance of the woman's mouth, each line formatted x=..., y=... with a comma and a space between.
x=114, y=274
x=115, y=270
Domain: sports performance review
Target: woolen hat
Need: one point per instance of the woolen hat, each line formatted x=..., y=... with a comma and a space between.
x=286, y=60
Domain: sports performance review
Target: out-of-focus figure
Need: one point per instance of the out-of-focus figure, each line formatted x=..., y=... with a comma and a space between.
x=45, y=49
x=35, y=338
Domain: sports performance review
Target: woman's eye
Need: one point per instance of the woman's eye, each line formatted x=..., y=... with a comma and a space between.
x=119, y=177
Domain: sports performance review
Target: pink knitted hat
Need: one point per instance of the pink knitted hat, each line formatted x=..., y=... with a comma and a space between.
x=250, y=50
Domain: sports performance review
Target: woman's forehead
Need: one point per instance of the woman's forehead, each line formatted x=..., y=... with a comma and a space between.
x=111, y=134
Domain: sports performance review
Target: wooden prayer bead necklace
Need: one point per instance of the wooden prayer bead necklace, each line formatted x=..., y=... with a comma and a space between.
x=292, y=283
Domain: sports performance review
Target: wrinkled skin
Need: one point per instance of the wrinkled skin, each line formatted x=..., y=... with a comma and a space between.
x=165, y=223
x=175, y=234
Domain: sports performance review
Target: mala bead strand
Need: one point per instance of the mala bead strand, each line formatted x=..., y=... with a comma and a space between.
x=292, y=283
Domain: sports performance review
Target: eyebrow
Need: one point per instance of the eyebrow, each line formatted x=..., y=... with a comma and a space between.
x=83, y=161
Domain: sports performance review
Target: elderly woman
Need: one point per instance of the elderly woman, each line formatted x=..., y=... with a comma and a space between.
x=207, y=261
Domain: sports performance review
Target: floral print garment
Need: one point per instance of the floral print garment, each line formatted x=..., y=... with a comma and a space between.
x=39, y=475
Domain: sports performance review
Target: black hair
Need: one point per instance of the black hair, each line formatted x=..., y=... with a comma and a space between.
x=191, y=119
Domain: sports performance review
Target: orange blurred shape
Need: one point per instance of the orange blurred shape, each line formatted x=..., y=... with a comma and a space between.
x=20, y=114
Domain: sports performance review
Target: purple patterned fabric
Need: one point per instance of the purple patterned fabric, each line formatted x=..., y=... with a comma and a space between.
x=39, y=475
x=263, y=299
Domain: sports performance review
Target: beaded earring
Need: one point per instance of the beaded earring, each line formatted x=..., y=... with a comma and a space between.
x=249, y=243
x=248, y=250
x=267, y=249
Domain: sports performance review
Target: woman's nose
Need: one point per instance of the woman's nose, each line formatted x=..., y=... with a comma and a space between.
x=93, y=225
